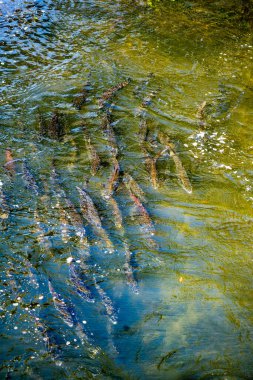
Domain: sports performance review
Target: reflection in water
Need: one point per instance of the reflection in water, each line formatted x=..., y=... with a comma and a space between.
x=125, y=205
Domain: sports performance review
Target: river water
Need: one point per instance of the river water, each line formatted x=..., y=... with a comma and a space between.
x=166, y=292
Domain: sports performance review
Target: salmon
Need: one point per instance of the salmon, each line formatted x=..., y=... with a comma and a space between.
x=109, y=133
x=79, y=284
x=90, y=213
x=108, y=95
x=9, y=163
x=107, y=302
x=61, y=306
x=133, y=186
x=4, y=208
x=30, y=180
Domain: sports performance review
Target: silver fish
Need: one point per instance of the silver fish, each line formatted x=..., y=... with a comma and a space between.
x=29, y=179
x=107, y=302
x=61, y=306
x=79, y=284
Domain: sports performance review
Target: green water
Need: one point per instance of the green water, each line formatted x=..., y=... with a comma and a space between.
x=187, y=312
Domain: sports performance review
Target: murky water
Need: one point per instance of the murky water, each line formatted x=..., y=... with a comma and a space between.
x=126, y=215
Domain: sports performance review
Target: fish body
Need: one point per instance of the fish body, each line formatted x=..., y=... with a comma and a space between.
x=143, y=130
x=181, y=172
x=79, y=284
x=133, y=186
x=118, y=222
x=93, y=157
x=56, y=127
x=109, y=133
x=91, y=215
x=113, y=179
x=30, y=180
x=148, y=99
x=43, y=240
x=81, y=99
x=107, y=95
x=64, y=226
x=9, y=162
x=61, y=306
x=151, y=167
x=128, y=269
x=4, y=208
x=107, y=302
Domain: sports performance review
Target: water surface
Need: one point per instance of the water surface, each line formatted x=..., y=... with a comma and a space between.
x=183, y=308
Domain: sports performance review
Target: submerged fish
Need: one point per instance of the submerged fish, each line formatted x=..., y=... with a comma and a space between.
x=64, y=225
x=148, y=99
x=56, y=126
x=117, y=217
x=113, y=179
x=93, y=157
x=201, y=114
x=43, y=240
x=60, y=305
x=181, y=172
x=144, y=218
x=29, y=179
x=79, y=283
x=133, y=186
x=4, y=208
x=43, y=126
x=81, y=99
x=9, y=162
x=143, y=129
x=90, y=213
x=107, y=95
x=128, y=269
x=107, y=302
x=151, y=167
x=109, y=133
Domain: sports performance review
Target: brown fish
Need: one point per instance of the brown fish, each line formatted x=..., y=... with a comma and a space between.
x=81, y=99
x=29, y=179
x=151, y=167
x=144, y=218
x=108, y=95
x=143, y=129
x=181, y=172
x=134, y=187
x=56, y=126
x=93, y=157
x=109, y=133
x=90, y=213
x=201, y=114
x=113, y=180
x=9, y=162
x=4, y=208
